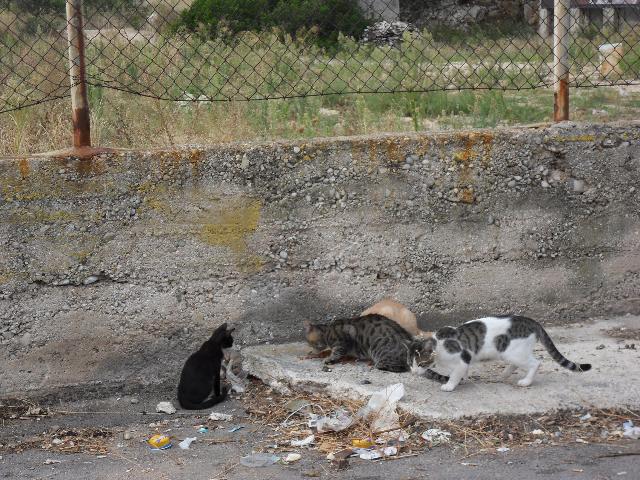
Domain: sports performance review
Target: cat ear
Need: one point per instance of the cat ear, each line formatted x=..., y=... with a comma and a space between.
x=220, y=329
x=231, y=329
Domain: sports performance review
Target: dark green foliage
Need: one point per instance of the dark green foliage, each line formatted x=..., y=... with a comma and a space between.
x=328, y=17
x=215, y=16
x=58, y=6
x=34, y=7
x=324, y=19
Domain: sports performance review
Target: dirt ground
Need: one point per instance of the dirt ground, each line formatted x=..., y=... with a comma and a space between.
x=106, y=438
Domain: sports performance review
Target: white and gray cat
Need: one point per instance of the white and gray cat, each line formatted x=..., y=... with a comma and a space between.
x=510, y=338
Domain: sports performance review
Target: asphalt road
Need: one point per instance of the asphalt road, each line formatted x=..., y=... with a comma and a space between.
x=216, y=454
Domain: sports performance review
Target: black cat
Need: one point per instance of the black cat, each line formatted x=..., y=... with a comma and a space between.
x=199, y=385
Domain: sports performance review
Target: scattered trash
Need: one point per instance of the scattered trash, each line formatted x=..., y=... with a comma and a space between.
x=390, y=451
x=203, y=430
x=502, y=449
x=580, y=440
x=165, y=407
x=341, y=463
x=186, y=443
x=362, y=443
x=292, y=457
x=630, y=430
x=600, y=347
x=257, y=460
x=50, y=461
x=340, y=459
x=35, y=411
x=236, y=428
x=57, y=441
x=382, y=407
x=585, y=417
x=336, y=422
x=621, y=473
x=537, y=431
x=159, y=442
x=304, y=442
x=435, y=436
x=296, y=405
x=367, y=454
x=101, y=456
x=127, y=435
x=220, y=416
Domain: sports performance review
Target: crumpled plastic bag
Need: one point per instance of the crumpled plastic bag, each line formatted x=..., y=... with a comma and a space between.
x=336, y=422
x=186, y=443
x=381, y=408
x=630, y=431
x=435, y=436
x=258, y=460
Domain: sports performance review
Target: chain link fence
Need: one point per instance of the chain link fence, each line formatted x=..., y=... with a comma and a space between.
x=227, y=50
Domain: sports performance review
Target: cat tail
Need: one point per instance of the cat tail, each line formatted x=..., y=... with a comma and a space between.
x=189, y=405
x=432, y=375
x=547, y=343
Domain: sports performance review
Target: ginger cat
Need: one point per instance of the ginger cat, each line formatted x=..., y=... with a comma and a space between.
x=398, y=313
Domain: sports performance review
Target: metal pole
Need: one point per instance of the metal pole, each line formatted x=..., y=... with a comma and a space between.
x=561, y=39
x=79, y=103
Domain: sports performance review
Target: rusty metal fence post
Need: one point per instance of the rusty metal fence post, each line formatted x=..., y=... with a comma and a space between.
x=561, y=38
x=77, y=73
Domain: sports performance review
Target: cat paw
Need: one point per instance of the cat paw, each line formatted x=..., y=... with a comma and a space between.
x=447, y=388
x=524, y=382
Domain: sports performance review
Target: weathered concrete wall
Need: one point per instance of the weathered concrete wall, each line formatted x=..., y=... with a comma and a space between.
x=111, y=270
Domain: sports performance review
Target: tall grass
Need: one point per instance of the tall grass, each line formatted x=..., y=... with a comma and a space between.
x=128, y=121
x=273, y=65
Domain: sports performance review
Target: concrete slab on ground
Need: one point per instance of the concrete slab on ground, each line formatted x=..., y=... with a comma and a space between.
x=613, y=381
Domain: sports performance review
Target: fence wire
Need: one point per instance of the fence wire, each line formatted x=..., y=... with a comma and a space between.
x=222, y=50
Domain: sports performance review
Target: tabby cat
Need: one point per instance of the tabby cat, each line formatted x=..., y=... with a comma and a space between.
x=370, y=337
x=398, y=313
x=511, y=338
x=199, y=385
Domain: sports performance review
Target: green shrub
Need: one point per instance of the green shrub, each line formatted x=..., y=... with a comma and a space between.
x=218, y=16
x=324, y=19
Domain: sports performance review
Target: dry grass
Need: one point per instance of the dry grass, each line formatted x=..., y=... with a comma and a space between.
x=127, y=121
x=267, y=65
x=276, y=425
x=92, y=441
x=469, y=436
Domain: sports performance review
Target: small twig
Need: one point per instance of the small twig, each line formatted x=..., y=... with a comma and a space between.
x=213, y=441
x=405, y=425
x=292, y=414
x=482, y=450
x=387, y=459
x=619, y=454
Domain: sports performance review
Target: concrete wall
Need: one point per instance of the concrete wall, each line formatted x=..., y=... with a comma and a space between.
x=112, y=270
